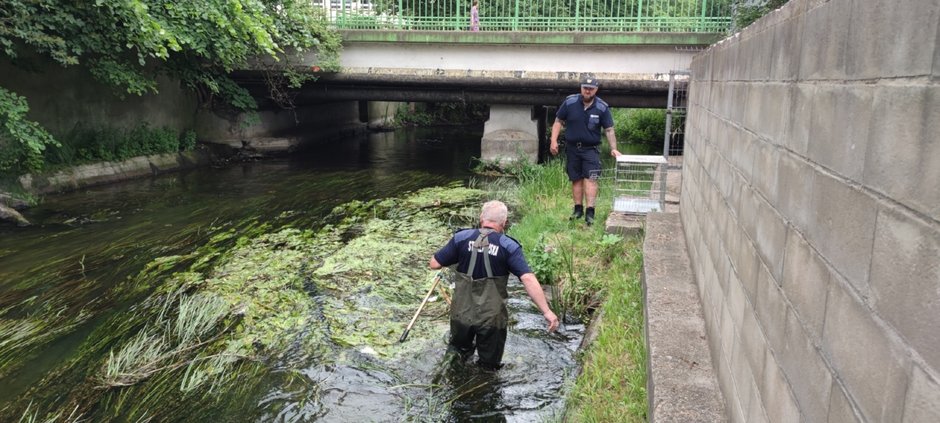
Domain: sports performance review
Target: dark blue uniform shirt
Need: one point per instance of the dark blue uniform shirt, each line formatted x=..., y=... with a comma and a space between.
x=584, y=126
x=505, y=254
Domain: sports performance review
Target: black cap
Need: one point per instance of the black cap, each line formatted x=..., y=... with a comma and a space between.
x=590, y=81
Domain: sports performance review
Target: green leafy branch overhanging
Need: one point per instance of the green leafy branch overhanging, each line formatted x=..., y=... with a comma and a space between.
x=128, y=43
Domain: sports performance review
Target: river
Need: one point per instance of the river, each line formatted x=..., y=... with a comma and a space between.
x=64, y=283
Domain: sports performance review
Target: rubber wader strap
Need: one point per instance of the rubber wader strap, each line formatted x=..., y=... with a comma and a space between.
x=482, y=243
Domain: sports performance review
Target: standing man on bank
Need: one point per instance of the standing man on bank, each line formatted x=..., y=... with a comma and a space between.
x=485, y=257
x=583, y=116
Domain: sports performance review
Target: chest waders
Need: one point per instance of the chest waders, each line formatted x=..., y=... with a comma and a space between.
x=479, y=309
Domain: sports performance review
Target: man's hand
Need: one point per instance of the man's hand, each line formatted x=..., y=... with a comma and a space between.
x=552, y=321
x=556, y=130
x=534, y=289
x=612, y=141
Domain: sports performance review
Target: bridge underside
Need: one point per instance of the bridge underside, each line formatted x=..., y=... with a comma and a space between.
x=518, y=75
x=511, y=133
x=483, y=88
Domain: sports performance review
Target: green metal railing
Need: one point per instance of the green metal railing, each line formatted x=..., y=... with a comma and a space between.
x=702, y=16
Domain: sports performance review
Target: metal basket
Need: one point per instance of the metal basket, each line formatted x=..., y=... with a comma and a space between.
x=640, y=184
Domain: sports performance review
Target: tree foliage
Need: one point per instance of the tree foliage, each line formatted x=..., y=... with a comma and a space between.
x=128, y=43
x=640, y=126
x=21, y=141
x=748, y=11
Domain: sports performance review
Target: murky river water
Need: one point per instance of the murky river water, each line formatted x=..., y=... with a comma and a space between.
x=64, y=271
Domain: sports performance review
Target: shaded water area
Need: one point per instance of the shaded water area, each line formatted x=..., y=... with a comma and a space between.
x=333, y=246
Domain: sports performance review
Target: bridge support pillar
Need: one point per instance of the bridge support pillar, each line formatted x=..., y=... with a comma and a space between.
x=511, y=133
x=379, y=114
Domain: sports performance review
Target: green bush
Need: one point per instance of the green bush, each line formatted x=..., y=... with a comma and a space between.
x=144, y=140
x=545, y=261
x=426, y=114
x=188, y=142
x=405, y=117
x=22, y=141
x=88, y=145
x=641, y=127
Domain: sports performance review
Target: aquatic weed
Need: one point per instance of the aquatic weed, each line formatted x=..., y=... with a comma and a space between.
x=32, y=416
x=137, y=359
x=218, y=319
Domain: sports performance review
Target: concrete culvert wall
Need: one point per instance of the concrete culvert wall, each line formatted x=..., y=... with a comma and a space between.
x=64, y=98
x=811, y=210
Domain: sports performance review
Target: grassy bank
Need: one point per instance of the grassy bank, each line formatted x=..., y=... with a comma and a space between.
x=592, y=274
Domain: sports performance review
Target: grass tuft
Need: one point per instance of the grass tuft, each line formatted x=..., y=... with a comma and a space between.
x=197, y=316
x=136, y=360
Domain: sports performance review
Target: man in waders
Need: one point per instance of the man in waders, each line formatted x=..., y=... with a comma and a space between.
x=485, y=257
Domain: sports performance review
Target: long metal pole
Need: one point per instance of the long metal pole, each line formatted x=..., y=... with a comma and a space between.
x=639, y=15
x=701, y=26
x=577, y=15
x=401, y=14
x=404, y=335
x=672, y=90
x=664, y=172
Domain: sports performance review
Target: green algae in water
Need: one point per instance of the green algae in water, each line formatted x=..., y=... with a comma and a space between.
x=271, y=299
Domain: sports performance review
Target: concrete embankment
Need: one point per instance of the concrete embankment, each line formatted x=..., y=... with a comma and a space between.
x=107, y=172
x=82, y=176
x=682, y=384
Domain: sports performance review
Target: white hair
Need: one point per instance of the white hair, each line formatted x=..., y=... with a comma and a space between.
x=494, y=211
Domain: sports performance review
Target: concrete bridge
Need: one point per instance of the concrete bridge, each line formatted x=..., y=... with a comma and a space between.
x=518, y=74
x=505, y=67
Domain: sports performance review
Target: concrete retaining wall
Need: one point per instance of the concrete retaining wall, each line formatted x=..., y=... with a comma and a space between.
x=107, y=172
x=62, y=99
x=270, y=131
x=811, y=208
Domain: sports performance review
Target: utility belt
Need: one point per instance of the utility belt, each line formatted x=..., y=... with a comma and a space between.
x=583, y=145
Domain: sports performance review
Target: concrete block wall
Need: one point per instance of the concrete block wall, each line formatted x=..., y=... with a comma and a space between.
x=811, y=205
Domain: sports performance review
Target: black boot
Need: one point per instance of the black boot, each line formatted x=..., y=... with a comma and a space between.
x=578, y=212
x=589, y=216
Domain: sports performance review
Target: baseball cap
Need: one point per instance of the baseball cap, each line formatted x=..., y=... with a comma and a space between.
x=590, y=81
